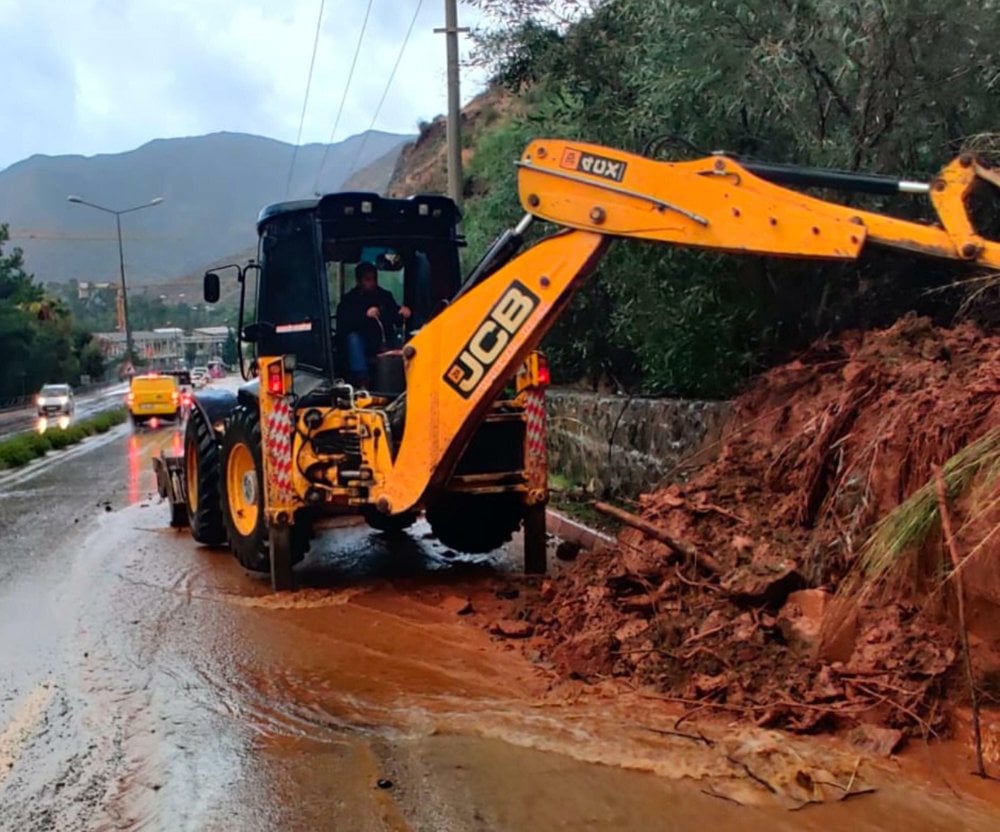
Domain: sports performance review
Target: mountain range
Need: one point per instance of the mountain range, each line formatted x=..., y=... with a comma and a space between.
x=212, y=187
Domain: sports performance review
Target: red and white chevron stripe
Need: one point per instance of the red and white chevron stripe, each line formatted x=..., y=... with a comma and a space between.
x=534, y=418
x=279, y=451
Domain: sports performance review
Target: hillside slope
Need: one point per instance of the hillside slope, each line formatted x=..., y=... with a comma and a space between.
x=213, y=187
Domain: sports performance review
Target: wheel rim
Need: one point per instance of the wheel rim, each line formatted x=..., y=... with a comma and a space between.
x=241, y=487
x=191, y=474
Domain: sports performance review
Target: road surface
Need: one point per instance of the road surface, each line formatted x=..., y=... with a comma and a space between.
x=148, y=683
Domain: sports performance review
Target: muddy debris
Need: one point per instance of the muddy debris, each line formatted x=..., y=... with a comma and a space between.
x=731, y=593
x=456, y=605
x=567, y=550
x=881, y=742
x=509, y=628
x=508, y=593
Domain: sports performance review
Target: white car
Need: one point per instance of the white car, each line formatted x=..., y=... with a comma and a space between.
x=55, y=400
x=199, y=377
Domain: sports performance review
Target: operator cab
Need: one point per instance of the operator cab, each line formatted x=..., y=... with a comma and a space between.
x=308, y=253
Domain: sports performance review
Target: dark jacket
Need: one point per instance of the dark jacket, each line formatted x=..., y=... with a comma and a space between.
x=352, y=316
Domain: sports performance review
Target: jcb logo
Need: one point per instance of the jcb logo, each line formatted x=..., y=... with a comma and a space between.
x=490, y=339
x=602, y=166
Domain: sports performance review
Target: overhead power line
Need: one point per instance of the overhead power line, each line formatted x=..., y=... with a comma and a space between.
x=343, y=98
x=388, y=85
x=305, y=100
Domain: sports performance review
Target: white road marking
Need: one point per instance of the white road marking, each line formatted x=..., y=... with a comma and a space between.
x=20, y=728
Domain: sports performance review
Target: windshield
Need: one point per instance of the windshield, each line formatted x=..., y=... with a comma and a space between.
x=55, y=390
x=289, y=292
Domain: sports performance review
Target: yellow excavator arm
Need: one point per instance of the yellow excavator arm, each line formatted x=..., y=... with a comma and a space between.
x=717, y=202
x=458, y=364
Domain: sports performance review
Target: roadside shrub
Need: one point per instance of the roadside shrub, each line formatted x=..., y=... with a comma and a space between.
x=59, y=439
x=103, y=422
x=14, y=453
x=20, y=450
x=38, y=444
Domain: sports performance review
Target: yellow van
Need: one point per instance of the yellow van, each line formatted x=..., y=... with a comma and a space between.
x=153, y=396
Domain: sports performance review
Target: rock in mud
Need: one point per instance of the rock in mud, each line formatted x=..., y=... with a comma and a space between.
x=881, y=742
x=801, y=619
x=568, y=550
x=456, y=605
x=768, y=582
x=509, y=628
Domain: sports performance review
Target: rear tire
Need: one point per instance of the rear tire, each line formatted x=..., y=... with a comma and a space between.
x=389, y=523
x=475, y=523
x=203, y=470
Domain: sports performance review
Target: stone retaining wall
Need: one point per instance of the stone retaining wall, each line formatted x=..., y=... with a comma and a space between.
x=622, y=447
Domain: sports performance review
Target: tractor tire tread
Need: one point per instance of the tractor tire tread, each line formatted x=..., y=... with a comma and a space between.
x=206, y=522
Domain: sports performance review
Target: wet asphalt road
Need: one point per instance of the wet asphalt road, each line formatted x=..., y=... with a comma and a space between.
x=148, y=683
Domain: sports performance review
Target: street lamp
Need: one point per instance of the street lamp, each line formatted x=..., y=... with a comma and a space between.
x=129, y=353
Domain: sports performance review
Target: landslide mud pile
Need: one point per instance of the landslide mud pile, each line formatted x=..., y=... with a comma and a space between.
x=772, y=619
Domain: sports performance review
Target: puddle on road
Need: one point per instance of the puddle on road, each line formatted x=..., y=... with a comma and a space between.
x=380, y=663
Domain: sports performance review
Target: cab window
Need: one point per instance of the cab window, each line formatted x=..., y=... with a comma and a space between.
x=288, y=291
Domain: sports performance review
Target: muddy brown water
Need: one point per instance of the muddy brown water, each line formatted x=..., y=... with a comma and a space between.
x=148, y=683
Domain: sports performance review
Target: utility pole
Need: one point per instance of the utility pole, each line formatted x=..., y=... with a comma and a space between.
x=451, y=32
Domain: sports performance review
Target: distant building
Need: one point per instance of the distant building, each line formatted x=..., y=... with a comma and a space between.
x=84, y=289
x=168, y=347
x=160, y=349
x=208, y=341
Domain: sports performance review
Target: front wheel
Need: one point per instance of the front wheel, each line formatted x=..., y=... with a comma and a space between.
x=243, y=490
x=243, y=512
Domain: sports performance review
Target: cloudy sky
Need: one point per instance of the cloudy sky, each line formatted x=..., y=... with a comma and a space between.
x=104, y=76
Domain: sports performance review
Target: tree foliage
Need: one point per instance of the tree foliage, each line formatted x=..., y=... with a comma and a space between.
x=37, y=338
x=895, y=87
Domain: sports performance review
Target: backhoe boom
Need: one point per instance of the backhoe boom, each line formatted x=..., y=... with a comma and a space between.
x=457, y=364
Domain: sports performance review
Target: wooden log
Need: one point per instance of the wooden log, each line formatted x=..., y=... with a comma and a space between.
x=680, y=548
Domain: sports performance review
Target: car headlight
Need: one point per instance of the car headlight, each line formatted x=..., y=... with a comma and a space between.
x=64, y=400
x=41, y=401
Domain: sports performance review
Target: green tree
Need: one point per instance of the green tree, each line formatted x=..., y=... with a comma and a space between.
x=16, y=285
x=230, y=355
x=92, y=362
x=36, y=331
x=896, y=87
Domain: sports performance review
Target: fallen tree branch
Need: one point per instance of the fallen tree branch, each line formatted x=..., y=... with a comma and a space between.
x=678, y=547
x=755, y=777
x=666, y=732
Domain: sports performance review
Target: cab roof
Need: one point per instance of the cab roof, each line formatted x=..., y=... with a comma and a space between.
x=433, y=212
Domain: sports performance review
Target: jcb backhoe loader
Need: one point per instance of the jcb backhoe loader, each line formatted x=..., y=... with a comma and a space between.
x=453, y=422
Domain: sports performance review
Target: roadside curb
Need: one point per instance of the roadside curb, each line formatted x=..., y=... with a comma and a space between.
x=565, y=528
